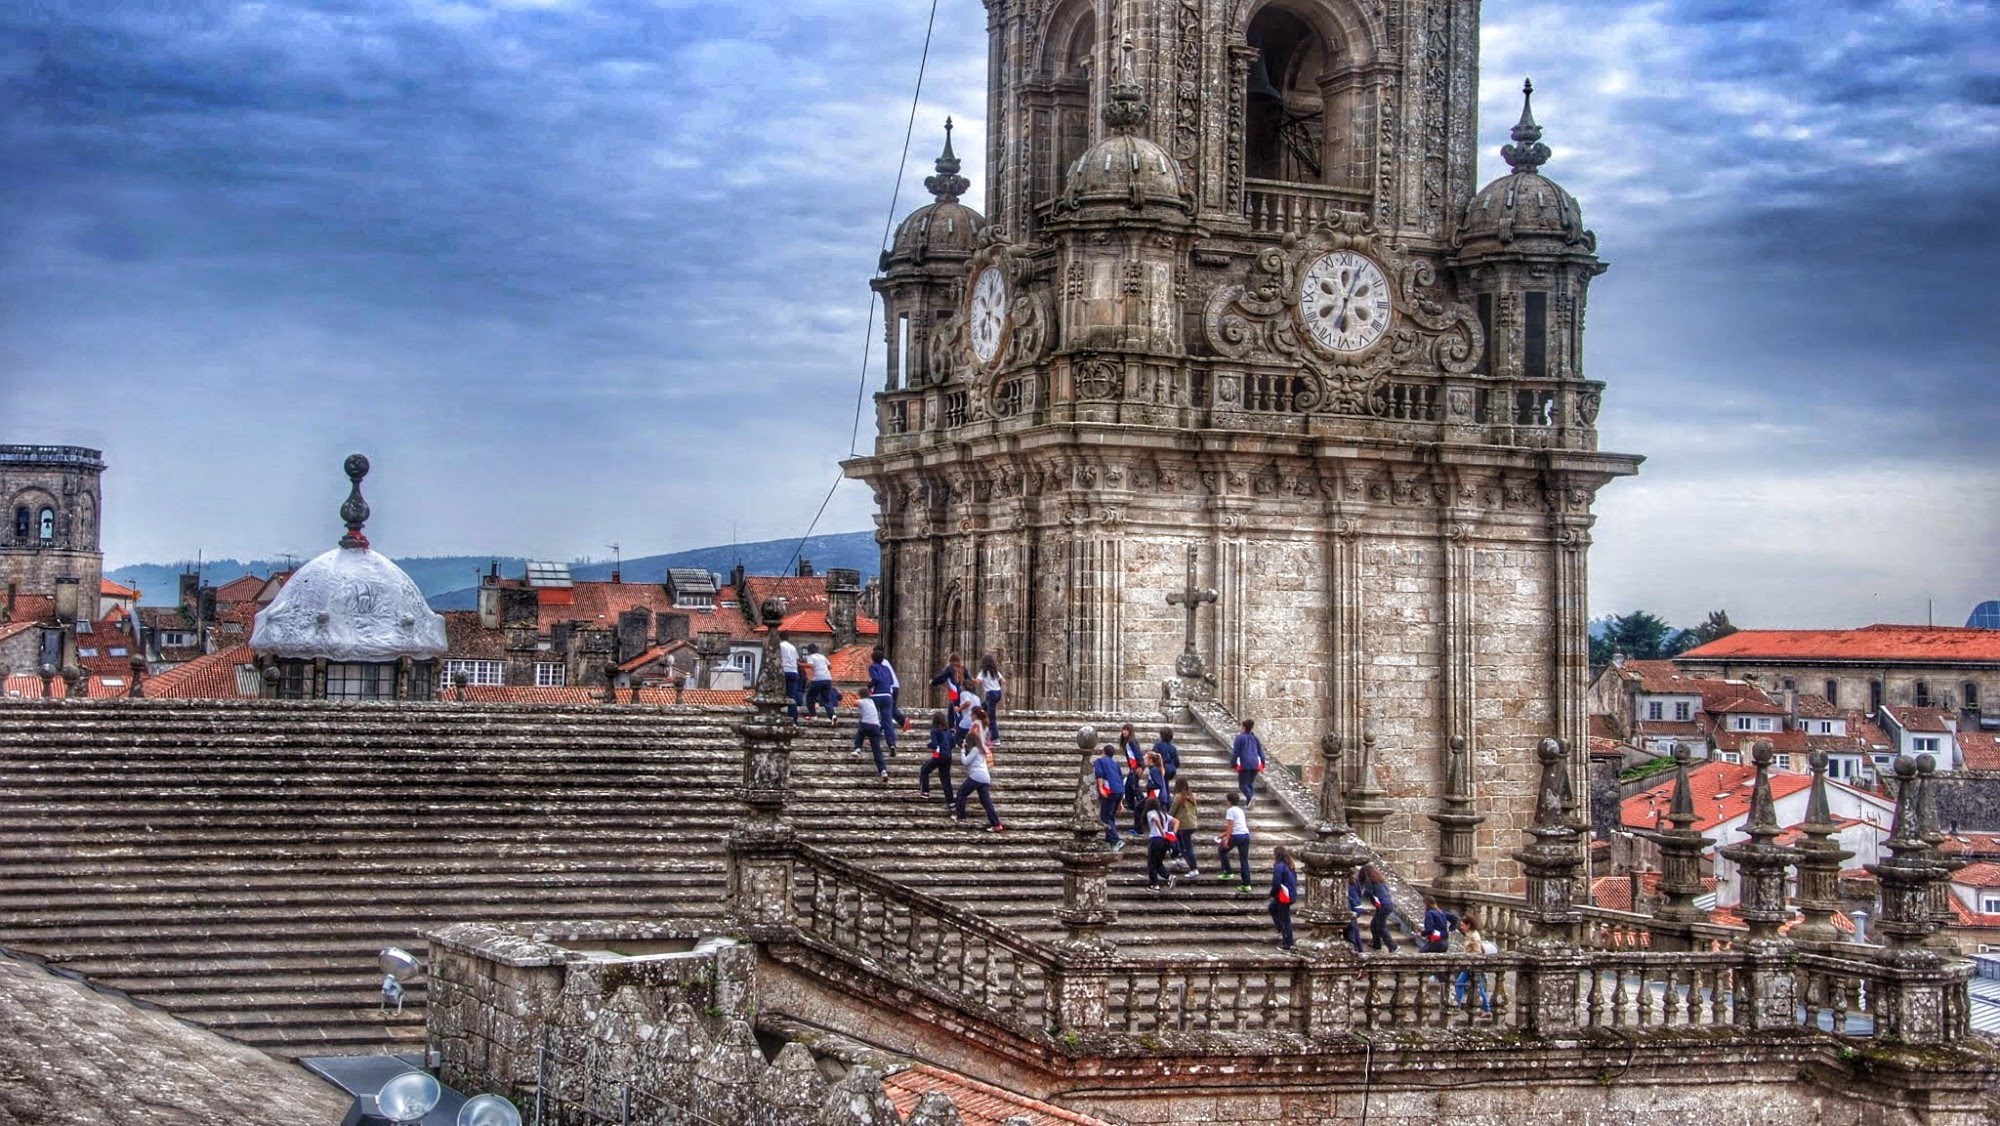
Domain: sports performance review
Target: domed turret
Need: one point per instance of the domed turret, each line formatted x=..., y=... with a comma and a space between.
x=350, y=624
x=1524, y=205
x=1125, y=169
x=943, y=230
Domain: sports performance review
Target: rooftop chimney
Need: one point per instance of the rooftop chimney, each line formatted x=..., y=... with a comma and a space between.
x=843, y=588
x=805, y=568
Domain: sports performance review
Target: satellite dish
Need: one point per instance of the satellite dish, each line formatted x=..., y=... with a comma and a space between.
x=408, y=1097
x=399, y=963
x=488, y=1110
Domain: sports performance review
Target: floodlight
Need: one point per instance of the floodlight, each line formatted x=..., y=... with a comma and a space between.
x=488, y=1110
x=408, y=1097
x=399, y=963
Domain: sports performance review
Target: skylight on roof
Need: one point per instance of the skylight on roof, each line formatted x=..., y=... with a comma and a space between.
x=549, y=576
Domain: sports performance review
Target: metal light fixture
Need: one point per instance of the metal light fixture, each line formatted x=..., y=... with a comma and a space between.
x=408, y=1097
x=488, y=1110
x=398, y=966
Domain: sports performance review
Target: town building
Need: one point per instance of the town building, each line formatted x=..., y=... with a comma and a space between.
x=1949, y=669
x=52, y=498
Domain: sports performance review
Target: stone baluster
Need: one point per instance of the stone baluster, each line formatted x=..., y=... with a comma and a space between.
x=760, y=850
x=1819, y=861
x=1681, y=852
x=1329, y=863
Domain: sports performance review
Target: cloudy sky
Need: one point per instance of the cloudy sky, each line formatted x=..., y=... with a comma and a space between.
x=576, y=271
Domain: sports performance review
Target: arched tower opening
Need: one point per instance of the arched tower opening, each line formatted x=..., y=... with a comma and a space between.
x=1309, y=96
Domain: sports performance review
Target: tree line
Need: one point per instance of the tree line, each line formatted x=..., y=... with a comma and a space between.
x=1645, y=636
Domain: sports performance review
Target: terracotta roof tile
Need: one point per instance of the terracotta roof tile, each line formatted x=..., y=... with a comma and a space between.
x=213, y=677
x=1981, y=749
x=1922, y=721
x=108, y=589
x=1933, y=644
x=979, y=1104
x=30, y=688
x=32, y=608
x=1811, y=705
x=1979, y=874
x=1966, y=917
x=1961, y=843
x=850, y=665
x=1659, y=678
x=245, y=589
x=1721, y=792
x=1736, y=697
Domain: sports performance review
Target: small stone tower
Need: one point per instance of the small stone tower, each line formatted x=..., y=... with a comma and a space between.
x=53, y=504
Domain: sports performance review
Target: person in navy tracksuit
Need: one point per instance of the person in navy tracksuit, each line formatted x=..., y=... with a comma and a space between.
x=939, y=760
x=882, y=690
x=1284, y=893
x=1246, y=757
x=1110, y=793
x=1354, y=911
x=1170, y=755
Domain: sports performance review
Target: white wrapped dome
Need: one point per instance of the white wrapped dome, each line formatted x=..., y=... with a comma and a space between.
x=351, y=604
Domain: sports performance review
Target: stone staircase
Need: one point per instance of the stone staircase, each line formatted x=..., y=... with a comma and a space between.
x=241, y=863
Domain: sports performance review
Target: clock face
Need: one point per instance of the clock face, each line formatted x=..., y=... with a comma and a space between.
x=989, y=314
x=1344, y=302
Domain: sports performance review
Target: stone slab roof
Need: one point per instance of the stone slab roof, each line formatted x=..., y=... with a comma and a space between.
x=73, y=1056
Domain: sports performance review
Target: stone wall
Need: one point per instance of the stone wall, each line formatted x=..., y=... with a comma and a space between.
x=66, y=480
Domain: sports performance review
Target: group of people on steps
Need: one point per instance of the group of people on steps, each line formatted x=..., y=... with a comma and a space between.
x=1141, y=782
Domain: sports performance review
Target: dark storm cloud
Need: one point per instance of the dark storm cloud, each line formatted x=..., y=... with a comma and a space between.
x=596, y=269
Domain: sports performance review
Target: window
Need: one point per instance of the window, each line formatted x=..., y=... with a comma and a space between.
x=1763, y=723
x=476, y=672
x=1989, y=905
x=549, y=674
x=1826, y=727
x=899, y=364
x=48, y=533
x=1656, y=710
x=358, y=681
x=1970, y=692
x=1784, y=762
x=1790, y=685
x=1924, y=744
x=1833, y=692
x=1683, y=711
x=176, y=638
x=1922, y=694
x=1874, y=696
x=1535, y=344
x=1286, y=118
x=1742, y=723
x=88, y=651
x=22, y=521
x=120, y=651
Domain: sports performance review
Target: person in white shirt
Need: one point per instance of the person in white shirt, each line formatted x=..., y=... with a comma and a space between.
x=977, y=756
x=991, y=685
x=821, y=690
x=788, y=662
x=1235, y=837
x=870, y=729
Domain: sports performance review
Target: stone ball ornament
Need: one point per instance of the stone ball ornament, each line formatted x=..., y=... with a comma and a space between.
x=1086, y=738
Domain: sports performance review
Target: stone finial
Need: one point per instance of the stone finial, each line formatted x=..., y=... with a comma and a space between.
x=791, y=1090
x=1909, y=915
x=1552, y=861
x=74, y=680
x=1527, y=153
x=1681, y=852
x=947, y=185
x=138, y=691
x=859, y=1099
x=1126, y=111
x=354, y=510
x=1761, y=861
x=725, y=1084
x=1819, y=863
x=935, y=1109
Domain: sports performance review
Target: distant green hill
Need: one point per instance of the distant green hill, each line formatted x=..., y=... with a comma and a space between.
x=451, y=581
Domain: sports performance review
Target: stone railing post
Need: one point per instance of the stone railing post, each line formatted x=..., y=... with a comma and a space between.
x=1818, y=864
x=1367, y=810
x=1329, y=862
x=1933, y=833
x=1767, y=992
x=1552, y=861
x=138, y=691
x=761, y=849
x=1086, y=863
x=1912, y=1004
x=1681, y=849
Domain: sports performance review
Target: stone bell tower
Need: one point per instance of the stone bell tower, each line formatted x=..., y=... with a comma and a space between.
x=1237, y=295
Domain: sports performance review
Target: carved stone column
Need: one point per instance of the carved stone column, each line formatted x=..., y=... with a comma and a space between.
x=1455, y=818
x=1761, y=861
x=1086, y=864
x=1551, y=862
x=1819, y=864
x=760, y=850
x=1681, y=849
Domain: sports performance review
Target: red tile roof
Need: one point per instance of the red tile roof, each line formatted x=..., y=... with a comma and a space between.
x=1736, y=697
x=800, y=592
x=212, y=677
x=31, y=607
x=1964, y=916
x=1791, y=742
x=108, y=589
x=815, y=621
x=1814, y=706
x=1981, y=749
x=1727, y=917
x=245, y=589
x=1958, y=844
x=979, y=1104
x=850, y=665
x=1922, y=721
x=1934, y=644
x=1659, y=678
x=1979, y=874
x=30, y=688
x=1721, y=792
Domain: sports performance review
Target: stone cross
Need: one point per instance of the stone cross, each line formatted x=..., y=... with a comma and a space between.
x=1191, y=598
